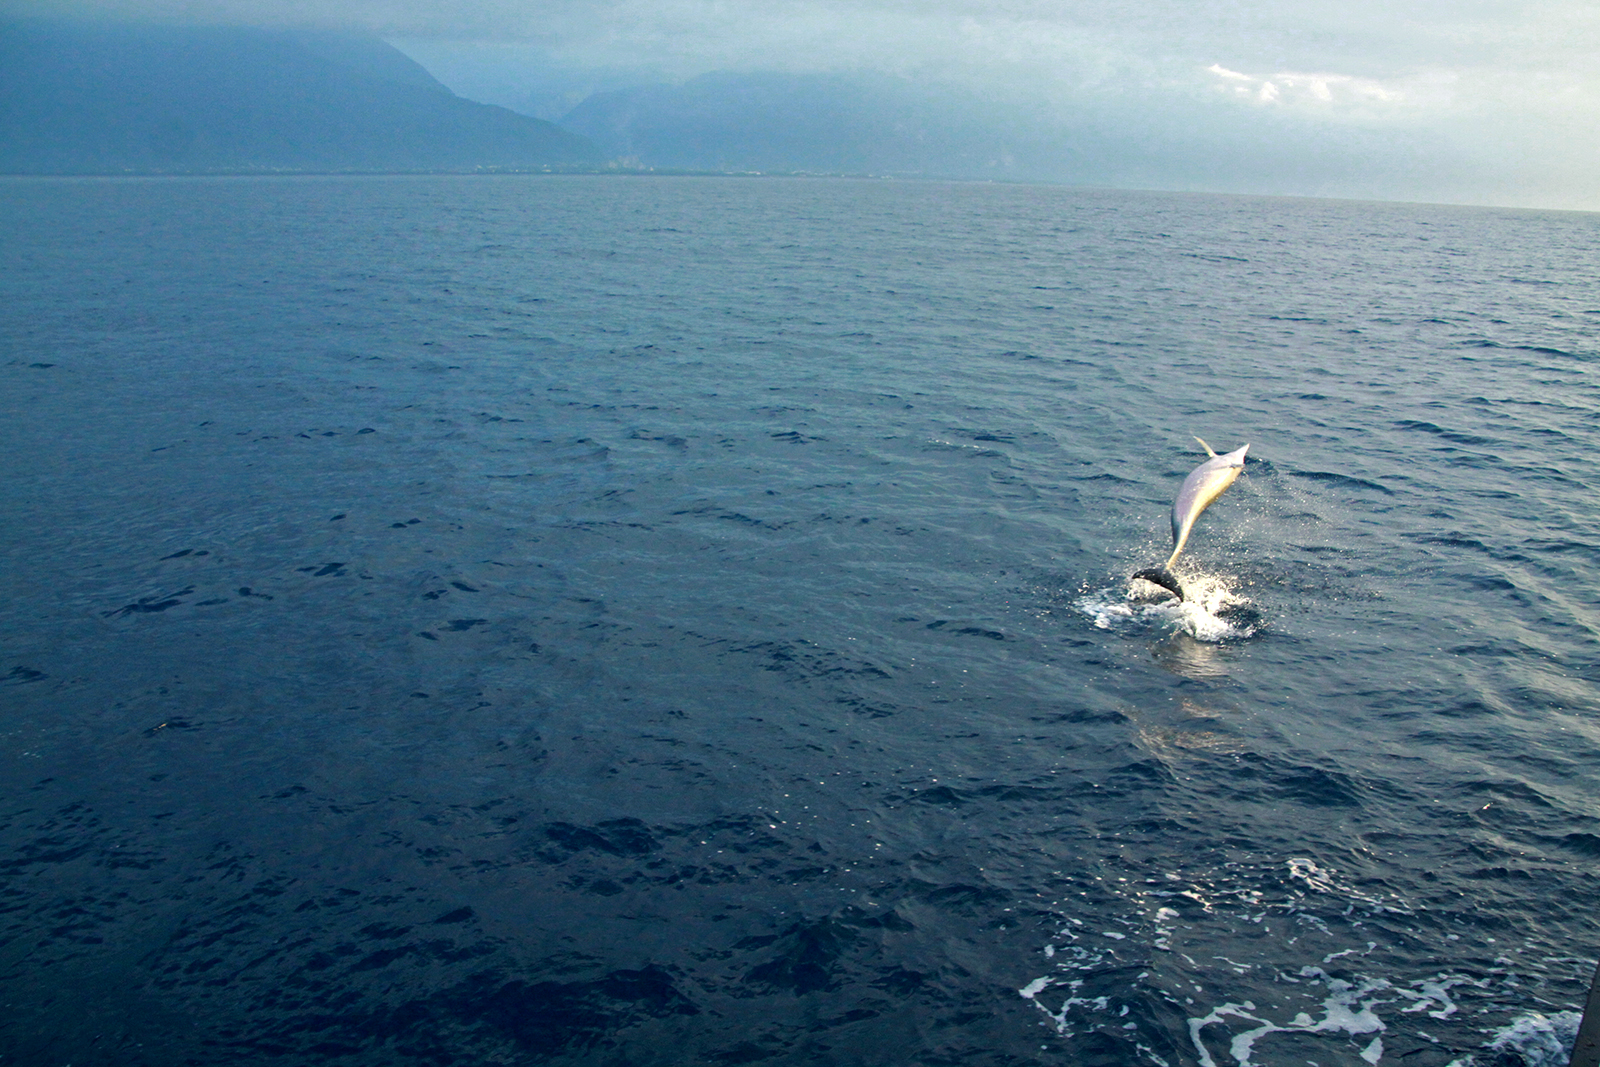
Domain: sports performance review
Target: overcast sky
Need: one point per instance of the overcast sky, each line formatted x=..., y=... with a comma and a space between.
x=1464, y=101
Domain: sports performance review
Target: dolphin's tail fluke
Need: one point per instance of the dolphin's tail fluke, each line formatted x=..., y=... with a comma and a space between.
x=1164, y=578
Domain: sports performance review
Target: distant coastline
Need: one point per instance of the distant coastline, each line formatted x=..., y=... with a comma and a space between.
x=552, y=170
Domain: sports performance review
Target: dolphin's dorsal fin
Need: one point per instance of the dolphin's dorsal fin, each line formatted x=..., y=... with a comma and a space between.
x=1206, y=447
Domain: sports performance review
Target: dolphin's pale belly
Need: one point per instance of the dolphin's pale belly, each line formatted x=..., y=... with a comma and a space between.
x=1204, y=484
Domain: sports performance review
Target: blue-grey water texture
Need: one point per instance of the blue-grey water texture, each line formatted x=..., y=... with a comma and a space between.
x=653, y=621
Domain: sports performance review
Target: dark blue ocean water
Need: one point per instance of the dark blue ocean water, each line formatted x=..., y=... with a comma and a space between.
x=660, y=621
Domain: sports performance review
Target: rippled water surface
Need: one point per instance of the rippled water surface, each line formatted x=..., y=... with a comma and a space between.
x=653, y=621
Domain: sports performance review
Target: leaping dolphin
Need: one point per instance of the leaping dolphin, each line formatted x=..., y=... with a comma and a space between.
x=1204, y=484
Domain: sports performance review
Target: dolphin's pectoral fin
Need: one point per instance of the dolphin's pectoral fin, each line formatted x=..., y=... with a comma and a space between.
x=1206, y=447
x=1164, y=578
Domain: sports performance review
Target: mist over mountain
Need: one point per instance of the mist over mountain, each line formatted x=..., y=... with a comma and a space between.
x=875, y=123
x=100, y=97
x=818, y=123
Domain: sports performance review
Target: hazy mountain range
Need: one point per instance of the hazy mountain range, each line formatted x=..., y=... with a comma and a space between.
x=99, y=98
x=819, y=123
x=1490, y=109
x=127, y=98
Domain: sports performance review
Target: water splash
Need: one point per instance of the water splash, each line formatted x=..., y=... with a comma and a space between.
x=1212, y=612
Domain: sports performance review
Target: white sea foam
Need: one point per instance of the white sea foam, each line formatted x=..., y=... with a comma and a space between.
x=1348, y=1009
x=1533, y=1039
x=1245, y=1008
x=1541, y=1040
x=1307, y=871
